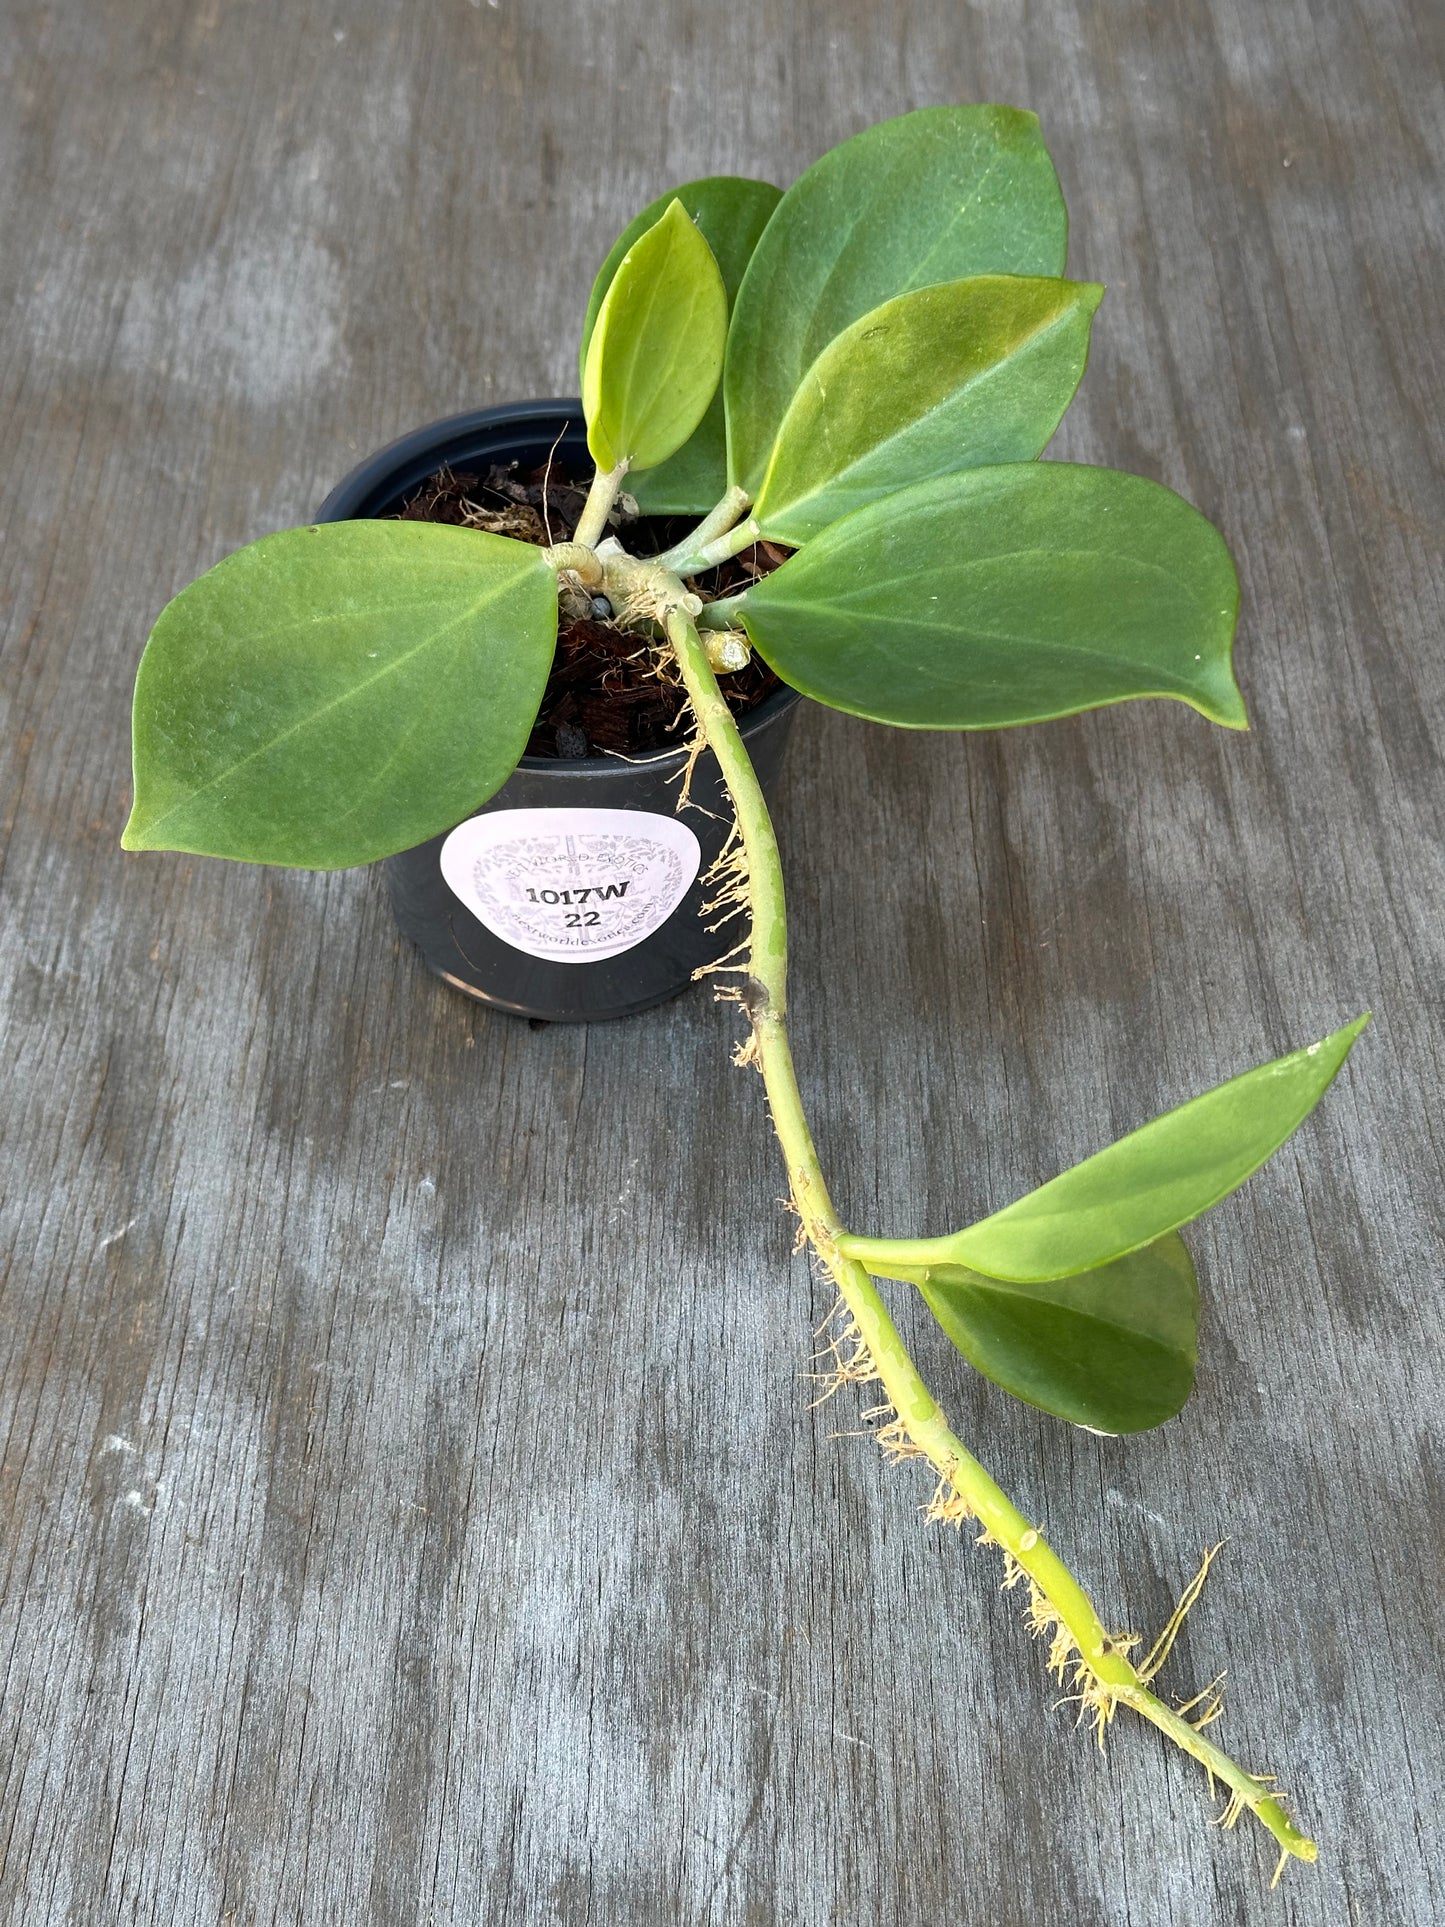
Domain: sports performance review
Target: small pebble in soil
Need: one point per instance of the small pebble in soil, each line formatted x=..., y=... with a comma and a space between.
x=601, y=608
x=571, y=741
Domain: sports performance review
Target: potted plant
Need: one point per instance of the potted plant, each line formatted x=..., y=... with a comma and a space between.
x=496, y=904
x=861, y=373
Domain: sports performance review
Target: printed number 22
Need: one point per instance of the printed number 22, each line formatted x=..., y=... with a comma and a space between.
x=583, y=919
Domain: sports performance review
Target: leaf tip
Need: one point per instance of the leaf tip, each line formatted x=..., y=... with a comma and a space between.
x=673, y=218
x=1225, y=705
x=1348, y=1034
x=139, y=831
x=1332, y=1050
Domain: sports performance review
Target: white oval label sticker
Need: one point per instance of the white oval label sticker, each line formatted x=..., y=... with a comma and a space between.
x=571, y=885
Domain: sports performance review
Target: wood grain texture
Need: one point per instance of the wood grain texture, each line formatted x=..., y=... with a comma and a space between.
x=411, y=1511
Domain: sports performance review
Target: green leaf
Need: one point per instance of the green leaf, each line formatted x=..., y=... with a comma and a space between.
x=962, y=375
x=1006, y=595
x=935, y=195
x=1151, y=1182
x=1113, y=1348
x=731, y=213
x=656, y=349
x=330, y=695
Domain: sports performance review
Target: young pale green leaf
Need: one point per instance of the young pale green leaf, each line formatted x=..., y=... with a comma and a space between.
x=935, y=195
x=330, y=695
x=1113, y=1348
x=965, y=374
x=656, y=348
x=1151, y=1182
x=1006, y=595
x=730, y=213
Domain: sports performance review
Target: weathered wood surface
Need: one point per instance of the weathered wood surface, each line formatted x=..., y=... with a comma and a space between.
x=411, y=1508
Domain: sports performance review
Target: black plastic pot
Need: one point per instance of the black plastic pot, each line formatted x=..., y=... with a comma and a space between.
x=586, y=916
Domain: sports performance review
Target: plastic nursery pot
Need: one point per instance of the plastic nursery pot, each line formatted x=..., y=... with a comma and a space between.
x=576, y=892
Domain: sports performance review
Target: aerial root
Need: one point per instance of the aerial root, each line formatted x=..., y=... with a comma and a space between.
x=731, y=852
x=729, y=883
x=646, y=601
x=1211, y=1702
x=1237, y=1802
x=947, y=1507
x=694, y=747
x=896, y=1442
x=844, y=1355
x=1096, y=1700
x=726, y=993
x=835, y=1310
x=733, y=900
x=729, y=880
x=1163, y=1645
x=746, y=1052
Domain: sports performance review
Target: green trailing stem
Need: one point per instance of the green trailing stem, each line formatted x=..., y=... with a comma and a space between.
x=1097, y=1662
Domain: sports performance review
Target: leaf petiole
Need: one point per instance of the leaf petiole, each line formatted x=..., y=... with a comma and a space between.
x=715, y=523
x=605, y=489
x=724, y=613
x=707, y=555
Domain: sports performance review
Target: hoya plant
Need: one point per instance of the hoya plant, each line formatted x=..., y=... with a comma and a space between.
x=862, y=372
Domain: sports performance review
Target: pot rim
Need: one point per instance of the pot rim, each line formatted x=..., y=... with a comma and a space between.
x=414, y=446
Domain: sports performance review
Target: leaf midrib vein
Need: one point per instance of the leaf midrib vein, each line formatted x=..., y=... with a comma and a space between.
x=952, y=398
x=350, y=694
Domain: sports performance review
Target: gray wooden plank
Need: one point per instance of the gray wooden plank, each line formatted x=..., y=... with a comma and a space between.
x=410, y=1506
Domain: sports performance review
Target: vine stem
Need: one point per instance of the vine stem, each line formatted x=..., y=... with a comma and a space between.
x=1097, y=1662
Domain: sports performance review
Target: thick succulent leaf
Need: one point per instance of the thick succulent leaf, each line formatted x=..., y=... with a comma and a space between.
x=966, y=374
x=1006, y=595
x=1113, y=1348
x=656, y=349
x=1150, y=1182
x=932, y=196
x=330, y=695
x=731, y=213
